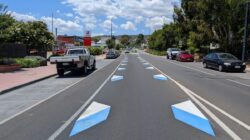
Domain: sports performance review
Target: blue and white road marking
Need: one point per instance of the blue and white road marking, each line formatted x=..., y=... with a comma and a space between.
x=149, y=68
x=188, y=113
x=160, y=77
x=94, y=114
x=145, y=63
x=116, y=78
x=123, y=64
x=121, y=69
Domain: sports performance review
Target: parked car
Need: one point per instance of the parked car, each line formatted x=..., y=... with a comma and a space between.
x=223, y=62
x=184, y=56
x=112, y=54
x=172, y=52
x=76, y=59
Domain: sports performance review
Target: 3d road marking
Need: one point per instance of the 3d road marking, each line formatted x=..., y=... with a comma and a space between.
x=160, y=77
x=123, y=64
x=121, y=69
x=188, y=113
x=149, y=68
x=94, y=114
x=116, y=78
x=145, y=63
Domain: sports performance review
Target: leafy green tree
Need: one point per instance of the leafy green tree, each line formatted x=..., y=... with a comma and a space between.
x=110, y=43
x=96, y=39
x=140, y=39
x=125, y=40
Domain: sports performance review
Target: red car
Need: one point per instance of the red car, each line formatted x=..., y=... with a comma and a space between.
x=185, y=57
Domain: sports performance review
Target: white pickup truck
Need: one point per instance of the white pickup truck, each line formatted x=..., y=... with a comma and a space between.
x=76, y=59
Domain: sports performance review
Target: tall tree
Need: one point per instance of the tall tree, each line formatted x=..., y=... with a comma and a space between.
x=125, y=40
x=140, y=39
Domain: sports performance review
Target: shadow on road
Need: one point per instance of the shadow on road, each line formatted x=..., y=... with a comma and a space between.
x=75, y=74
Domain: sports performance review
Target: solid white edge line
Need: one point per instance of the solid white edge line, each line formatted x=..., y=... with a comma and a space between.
x=238, y=82
x=78, y=112
x=204, y=108
x=44, y=100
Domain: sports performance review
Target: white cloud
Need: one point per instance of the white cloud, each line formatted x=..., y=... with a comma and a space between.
x=69, y=14
x=128, y=26
x=23, y=17
x=145, y=11
x=107, y=24
x=63, y=25
x=58, y=11
x=157, y=22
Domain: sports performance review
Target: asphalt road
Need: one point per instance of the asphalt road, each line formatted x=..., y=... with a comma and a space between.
x=140, y=105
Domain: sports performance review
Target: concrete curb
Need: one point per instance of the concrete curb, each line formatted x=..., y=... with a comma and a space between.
x=25, y=84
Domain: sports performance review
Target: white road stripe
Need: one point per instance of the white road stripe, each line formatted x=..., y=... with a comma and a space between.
x=238, y=82
x=38, y=103
x=231, y=133
x=192, y=68
x=78, y=112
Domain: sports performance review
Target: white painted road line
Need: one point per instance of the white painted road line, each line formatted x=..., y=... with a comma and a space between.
x=238, y=83
x=38, y=103
x=192, y=68
x=231, y=133
x=78, y=112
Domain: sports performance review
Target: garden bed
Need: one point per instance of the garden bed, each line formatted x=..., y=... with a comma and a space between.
x=9, y=68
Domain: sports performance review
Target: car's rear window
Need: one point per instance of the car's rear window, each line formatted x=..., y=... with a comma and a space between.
x=75, y=52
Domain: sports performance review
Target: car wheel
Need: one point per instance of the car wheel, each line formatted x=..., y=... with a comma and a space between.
x=204, y=65
x=60, y=72
x=220, y=68
x=167, y=57
x=94, y=66
x=85, y=70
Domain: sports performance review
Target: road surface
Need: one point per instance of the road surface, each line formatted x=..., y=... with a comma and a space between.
x=140, y=104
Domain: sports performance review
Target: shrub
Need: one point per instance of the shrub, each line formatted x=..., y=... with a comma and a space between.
x=95, y=50
x=7, y=61
x=28, y=63
x=42, y=60
x=155, y=52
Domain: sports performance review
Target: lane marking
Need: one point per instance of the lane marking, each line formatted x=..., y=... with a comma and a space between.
x=188, y=67
x=72, y=118
x=160, y=77
x=231, y=133
x=94, y=114
x=38, y=103
x=116, y=78
x=188, y=113
x=150, y=68
x=233, y=118
x=238, y=82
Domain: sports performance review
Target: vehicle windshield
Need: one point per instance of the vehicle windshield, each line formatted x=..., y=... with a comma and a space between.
x=175, y=49
x=75, y=52
x=226, y=56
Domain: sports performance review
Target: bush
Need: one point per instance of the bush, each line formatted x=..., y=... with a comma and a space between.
x=42, y=60
x=28, y=62
x=155, y=52
x=7, y=61
x=95, y=50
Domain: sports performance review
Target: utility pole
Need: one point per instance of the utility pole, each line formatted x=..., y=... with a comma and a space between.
x=245, y=41
x=111, y=28
x=52, y=23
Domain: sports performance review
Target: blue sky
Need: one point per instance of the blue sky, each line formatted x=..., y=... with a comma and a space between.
x=73, y=17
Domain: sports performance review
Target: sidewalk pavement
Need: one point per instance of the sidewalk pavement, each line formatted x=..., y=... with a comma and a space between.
x=248, y=68
x=26, y=76
x=12, y=80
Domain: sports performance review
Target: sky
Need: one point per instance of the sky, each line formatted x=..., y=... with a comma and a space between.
x=74, y=17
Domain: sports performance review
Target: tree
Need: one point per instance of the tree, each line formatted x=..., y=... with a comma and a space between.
x=6, y=22
x=96, y=39
x=125, y=40
x=110, y=43
x=140, y=39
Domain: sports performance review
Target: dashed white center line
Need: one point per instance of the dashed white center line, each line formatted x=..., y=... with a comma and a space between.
x=238, y=82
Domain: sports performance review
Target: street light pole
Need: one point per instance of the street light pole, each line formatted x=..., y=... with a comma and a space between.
x=245, y=41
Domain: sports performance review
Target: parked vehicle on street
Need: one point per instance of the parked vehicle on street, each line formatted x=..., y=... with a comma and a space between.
x=76, y=59
x=223, y=62
x=172, y=52
x=112, y=54
x=184, y=56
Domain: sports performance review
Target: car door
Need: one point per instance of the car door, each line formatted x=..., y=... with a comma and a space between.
x=214, y=61
x=208, y=60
